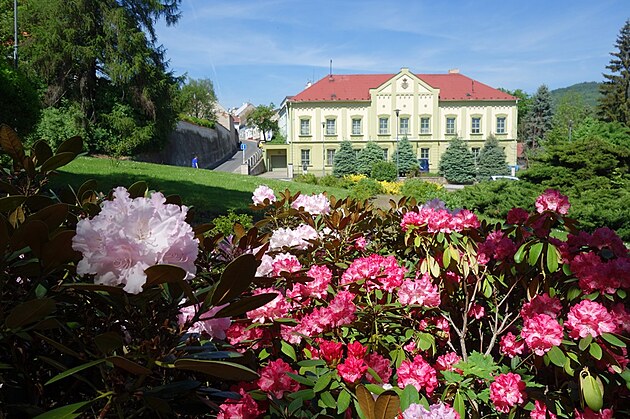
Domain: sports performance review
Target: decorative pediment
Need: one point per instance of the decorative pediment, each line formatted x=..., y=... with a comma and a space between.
x=404, y=83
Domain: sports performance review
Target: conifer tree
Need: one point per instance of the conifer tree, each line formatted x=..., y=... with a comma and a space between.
x=406, y=157
x=457, y=164
x=614, y=104
x=345, y=162
x=371, y=154
x=540, y=117
x=491, y=160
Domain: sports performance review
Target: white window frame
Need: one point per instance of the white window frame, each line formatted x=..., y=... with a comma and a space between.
x=475, y=120
x=383, y=125
x=331, y=126
x=356, y=126
x=501, y=126
x=330, y=156
x=423, y=151
x=305, y=126
x=303, y=152
x=425, y=129
x=403, y=125
x=451, y=130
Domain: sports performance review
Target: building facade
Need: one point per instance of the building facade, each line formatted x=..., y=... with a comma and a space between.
x=428, y=109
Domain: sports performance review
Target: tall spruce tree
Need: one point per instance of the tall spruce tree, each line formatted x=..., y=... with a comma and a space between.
x=614, y=104
x=345, y=162
x=540, y=117
x=406, y=157
x=371, y=154
x=457, y=164
x=491, y=160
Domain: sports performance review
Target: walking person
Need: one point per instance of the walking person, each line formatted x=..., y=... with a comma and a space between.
x=195, y=162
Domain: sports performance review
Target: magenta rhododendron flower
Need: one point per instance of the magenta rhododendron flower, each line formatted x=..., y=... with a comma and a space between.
x=275, y=381
x=540, y=411
x=589, y=414
x=352, y=369
x=331, y=352
x=316, y=288
x=541, y=332
x=420, y=291
x=378, y=271
x=261, y=193
x=594, y=274
x=435, y=411
x=445, y=362
x=381, y=367
x=552, y=200
x=589, y=318
x=239, y=334
x=517, y=216
x=541, y=304
x=207, y=324
x=274, y=309
x=507, y=391
x=419, y=374
x=439, y=220
x=355, y=349
x=129, y=235
x=497, y=247
x=285, y=262
x=314, y=205
x=509, y=346
x=245, y=408
x=477, y=311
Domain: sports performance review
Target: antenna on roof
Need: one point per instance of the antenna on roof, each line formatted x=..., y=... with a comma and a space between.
x=330, y=67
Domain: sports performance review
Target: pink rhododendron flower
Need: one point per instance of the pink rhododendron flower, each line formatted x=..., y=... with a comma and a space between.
x=589, y=414
x=360, y=243
x=261, y=193
x=274, y=309
x=352, y=369
x=378, y=272
x=129, y=235
x=445, y=362
x=541, y=304
x=317, y=287
x=509, y=346
x=341, y=310
x=207, y=324
x=381, y=367
x=597, y=275
x=355, y=349
x=439, y=220
x=541, y=332
x=314, y=205
x=435, y=411
x=517, y=216
x=294, y=238
x=621, y=317
x=285, y=262
x=245, y=408
x=589, y=318
x=419, y=374
x=552, y=200
x=477, y=311
x=496, y=246
x=540, y=411
x=420, y=291
x=507, y=391
x=275, y=381
x=239, y=334
x=331, y=352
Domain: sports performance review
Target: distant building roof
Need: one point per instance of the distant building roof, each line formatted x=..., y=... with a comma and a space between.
x=353, y=87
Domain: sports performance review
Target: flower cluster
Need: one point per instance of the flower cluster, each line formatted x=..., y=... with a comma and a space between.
x=439, y=220
x=507, y=391
x=314, y=205
x=207, y=324
x=296, y=238
x=261, y=193
x=554, y=201
x=129, y=235
x=435, y=411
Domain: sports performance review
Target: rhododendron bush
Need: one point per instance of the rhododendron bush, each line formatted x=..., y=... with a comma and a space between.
x=116, y=306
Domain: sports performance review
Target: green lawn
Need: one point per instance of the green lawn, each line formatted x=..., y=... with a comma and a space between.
x=210, y=193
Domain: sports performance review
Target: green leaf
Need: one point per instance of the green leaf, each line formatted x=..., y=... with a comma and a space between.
x=585, y=341
x=312, y=363
x=236, y=279
x=71, y=371
x=246, y=304
x=387, y=405
x=220, y=369
x=573, y=293
x=64, y=412
x=520, y=253
x=592, y=391
x=343, y=401
x=446, y=257
x=409, y=396
x=288, y=350
x=366, y=401
x=159, y=274
x=11, y=144
x=552, y=258
x=322, y=382
x=595, y=350
x=10, y=203
x=534, y=253
x=71, y=145
x=29, y=312
x=128, y=365
x=458, y=405
x=302, y=380
x=57, y=161
x=556, y=356
x=328, y=400
x=108, y=342
x=613, y=340
x=138, y=189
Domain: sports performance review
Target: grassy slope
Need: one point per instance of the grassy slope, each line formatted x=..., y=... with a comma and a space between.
x=211, y=193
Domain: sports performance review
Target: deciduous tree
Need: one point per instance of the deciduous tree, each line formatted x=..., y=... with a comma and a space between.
x=263, y=118
x=614, y=104
x=197, y=98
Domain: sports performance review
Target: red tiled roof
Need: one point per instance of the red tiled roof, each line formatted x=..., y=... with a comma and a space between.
x=352, y=87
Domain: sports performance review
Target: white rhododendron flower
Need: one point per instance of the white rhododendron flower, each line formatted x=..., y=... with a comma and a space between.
x=129, y=235
x=261, y=193
x=314, y=204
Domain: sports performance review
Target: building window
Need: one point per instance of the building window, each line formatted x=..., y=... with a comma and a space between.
x=383, y=125
x=500, y=125
x=475, y=127
x=305, y=127
x=385, y=154
x=423, y=162
x=404, y=126
x=305, y=157
x=450, y=126
x=425, y=127
x=356, y=126
x=331, y=127
x=330, y=156
x=475, y=153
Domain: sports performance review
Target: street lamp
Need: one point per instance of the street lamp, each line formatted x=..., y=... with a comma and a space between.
x=323, y=150
x=397, y=127
x=15, y=34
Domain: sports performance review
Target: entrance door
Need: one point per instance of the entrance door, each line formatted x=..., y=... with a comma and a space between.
x=278, y=162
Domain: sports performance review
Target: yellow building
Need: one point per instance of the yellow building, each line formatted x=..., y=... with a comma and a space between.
x=428, y=109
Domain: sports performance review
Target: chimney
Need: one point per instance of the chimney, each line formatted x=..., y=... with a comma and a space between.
x=308, y=84
x=453, y=71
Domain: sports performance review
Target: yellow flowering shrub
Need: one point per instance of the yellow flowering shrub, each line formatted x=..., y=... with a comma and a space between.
x=391, y=188
x=354, y=179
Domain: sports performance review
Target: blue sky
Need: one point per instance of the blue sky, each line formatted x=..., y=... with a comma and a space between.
x=260, y=51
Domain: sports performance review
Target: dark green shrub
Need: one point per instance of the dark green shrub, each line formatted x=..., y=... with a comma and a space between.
x=58, y=124
x=306, y=178
x=406, y=157
x=330, y=180
x=369, y=156
x=365, y=189
x=345, y=162
x=224, y=224
x=197, y=121
x=19, y=99
x=495, y=199
x=423, y=191
x=491, y=160
x=384, y=170
x=457, y=164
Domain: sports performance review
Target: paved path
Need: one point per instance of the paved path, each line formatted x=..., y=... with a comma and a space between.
x=233, y=165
